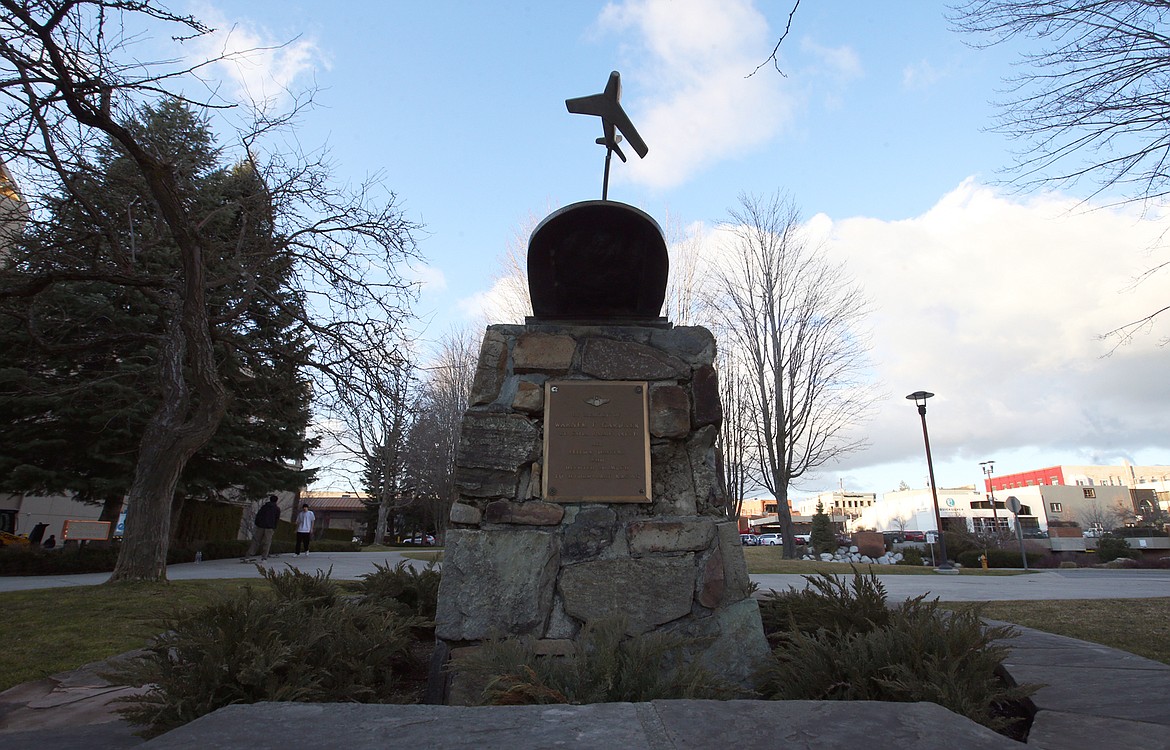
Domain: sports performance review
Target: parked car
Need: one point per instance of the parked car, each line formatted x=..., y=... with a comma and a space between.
x=803, y=538
x=749, y=540
x=914, y=536
x=771, y=540
x=425, y=539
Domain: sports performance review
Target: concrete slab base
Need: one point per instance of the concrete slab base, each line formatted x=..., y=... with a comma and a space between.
x=658, y=725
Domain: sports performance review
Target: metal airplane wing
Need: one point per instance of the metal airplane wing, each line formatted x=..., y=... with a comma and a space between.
x=607, y=106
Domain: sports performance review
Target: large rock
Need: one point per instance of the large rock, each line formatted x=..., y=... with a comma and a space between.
x=670, y=411
x=628, y=360
x=490, y=372
x=544, y=353
x=590, y=533
x=533, y=513
x=669, y=535
x=496, y=583
x=730, y=643
x=705, y=391
x=493, y=448
x=645, y=592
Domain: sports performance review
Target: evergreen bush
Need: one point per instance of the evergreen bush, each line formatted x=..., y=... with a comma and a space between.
x=1110, y=547
x=842, y=643
x=910, y=556
x=827, y=603
x=604, y=667
x=416, y=591
x=252, y=646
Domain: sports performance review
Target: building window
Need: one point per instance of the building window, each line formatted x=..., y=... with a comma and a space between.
x=1090, y=492
x=1053, y=480
x=1055, y=507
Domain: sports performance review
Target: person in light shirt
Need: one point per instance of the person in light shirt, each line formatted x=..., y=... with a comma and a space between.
x=305, y=521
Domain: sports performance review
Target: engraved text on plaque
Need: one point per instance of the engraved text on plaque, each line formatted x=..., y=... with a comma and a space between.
x=596, y=442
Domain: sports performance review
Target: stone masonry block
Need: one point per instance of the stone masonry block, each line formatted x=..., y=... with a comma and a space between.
x=646, y=592
x=670, y=411
x=544, y=353
x=496, y=583
x=670, y=535
x=628, y=360
x=533, y=513
x=491, y=369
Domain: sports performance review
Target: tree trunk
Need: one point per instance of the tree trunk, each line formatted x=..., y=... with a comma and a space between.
x=179, y=426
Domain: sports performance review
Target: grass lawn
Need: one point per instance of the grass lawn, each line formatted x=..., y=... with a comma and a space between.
x=1139, y=626
x=46, y=631
x=768, y=560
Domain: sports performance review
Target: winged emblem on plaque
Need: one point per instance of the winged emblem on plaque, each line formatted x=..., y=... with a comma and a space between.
x=596, y=401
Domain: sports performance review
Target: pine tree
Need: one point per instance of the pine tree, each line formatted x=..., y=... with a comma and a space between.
x=822, y=537
x=81, y=377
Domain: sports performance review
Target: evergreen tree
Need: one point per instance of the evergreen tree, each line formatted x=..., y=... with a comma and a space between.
x=822, y=537
x=81, y=377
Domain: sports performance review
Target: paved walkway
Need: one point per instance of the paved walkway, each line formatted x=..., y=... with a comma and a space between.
x=1080, y=583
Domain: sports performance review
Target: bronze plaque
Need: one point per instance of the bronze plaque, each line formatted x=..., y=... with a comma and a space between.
x=596, y=441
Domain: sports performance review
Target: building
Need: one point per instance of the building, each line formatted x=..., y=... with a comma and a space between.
x=337, y=509
x=1155, y=478
x=913, y=510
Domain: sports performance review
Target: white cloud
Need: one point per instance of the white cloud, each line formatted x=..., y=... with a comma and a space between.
x=997, y=305
x=921, y=75
x=694, y=104
x=430, y=278
x=261, y=65
x=841, y=63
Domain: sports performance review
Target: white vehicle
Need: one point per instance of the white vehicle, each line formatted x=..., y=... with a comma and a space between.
x=771, y=540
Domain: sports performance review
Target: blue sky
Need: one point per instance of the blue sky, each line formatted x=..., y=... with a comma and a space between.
x=990, y=298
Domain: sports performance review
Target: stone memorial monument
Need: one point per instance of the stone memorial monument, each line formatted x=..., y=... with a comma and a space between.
x=586, y=464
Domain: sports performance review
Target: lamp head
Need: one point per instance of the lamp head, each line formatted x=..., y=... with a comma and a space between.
x=919, y=398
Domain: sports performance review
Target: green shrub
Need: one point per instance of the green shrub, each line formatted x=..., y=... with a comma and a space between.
x=253, y=647
x=827, y=603
x=315, y=590
x=1110, y=547
x=916, y=653
x=922, y=655
x=417, y=591
x=998, y=558
x=604, y=667
x=37, y=561
x=910, y=556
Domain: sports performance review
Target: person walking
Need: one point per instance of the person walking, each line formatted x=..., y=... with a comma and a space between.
x=266, y=520
x=305, y=521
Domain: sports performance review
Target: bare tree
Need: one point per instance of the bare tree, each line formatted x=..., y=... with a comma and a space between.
x=434, y=438
x=511, y=300
x=683, y=303
x=1097, y=516
x=69, y=82
x=1091, y=100
x=735, y=398
x=795, y=320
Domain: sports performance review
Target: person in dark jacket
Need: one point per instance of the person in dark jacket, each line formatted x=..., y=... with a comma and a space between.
x=266, y=519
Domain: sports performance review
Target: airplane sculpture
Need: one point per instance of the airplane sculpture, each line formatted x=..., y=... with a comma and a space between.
x=607, y=106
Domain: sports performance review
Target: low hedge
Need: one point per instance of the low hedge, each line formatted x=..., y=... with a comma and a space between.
x=997, y=558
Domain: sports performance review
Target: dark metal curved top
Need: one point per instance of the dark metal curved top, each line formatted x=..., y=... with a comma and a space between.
x=600, y=261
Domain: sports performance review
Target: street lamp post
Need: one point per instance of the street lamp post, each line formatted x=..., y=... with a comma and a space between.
x=988, y=469
x=919, y=399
